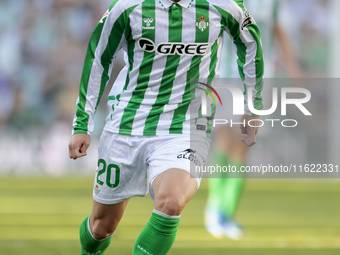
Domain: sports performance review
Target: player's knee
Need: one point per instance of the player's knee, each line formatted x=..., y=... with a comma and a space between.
x=170, y=205
x=101, y=231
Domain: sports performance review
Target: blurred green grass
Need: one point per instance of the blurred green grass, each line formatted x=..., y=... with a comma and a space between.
x=42, y=215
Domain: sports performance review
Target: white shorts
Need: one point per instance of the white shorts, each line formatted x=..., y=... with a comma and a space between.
x=124, y=161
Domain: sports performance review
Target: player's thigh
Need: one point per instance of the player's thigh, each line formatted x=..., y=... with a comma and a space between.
x=173, y=179
x=172, y=190
x=105, y=218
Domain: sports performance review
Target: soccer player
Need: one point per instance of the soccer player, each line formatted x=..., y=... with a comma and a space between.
x=225, y=193
x=154, y=108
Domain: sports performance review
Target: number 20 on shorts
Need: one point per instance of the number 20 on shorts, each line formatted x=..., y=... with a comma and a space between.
x=108, y=170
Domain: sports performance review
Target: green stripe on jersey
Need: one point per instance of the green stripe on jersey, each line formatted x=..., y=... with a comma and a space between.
x=202, y=9
x=148, y=11
x=130, y=51
x=172, y=62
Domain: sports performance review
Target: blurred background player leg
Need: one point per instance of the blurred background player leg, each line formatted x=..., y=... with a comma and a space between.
x=225, y=193
x=226, y=190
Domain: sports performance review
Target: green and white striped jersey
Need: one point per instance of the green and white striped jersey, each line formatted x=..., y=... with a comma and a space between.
x=166, y=44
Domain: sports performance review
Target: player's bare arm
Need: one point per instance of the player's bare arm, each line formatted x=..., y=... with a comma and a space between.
x=78, y=145
x=288, y=54
x=250, y=131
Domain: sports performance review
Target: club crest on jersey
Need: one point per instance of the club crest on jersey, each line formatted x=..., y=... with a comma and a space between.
x=148, y=22
x=202, y=23
x=248, y=19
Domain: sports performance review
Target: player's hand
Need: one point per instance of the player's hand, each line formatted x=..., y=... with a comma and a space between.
x=78, y=145
x=248, y=130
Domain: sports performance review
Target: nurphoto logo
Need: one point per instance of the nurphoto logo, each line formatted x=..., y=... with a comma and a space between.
x=239, y=103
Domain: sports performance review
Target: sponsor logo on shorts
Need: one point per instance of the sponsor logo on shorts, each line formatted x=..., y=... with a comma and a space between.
x=189, y=154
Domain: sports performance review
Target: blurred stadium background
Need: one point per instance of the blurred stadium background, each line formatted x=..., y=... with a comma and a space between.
x=45, y=195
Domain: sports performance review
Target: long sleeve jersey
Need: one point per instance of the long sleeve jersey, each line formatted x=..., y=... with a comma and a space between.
x=166, y=45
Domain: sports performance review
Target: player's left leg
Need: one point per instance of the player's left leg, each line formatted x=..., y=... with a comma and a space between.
x=172, y=191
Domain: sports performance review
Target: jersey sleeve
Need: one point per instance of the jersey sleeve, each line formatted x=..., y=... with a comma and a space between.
x=245, y=34
x=106, y=40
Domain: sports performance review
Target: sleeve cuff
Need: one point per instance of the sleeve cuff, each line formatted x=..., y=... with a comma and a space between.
x=80, y=131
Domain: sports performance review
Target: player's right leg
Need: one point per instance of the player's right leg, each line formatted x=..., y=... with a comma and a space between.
x=97, y=229
x=120, y=175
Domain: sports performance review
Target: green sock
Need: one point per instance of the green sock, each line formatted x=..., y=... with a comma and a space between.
x=89, y=245
x=158, y=235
